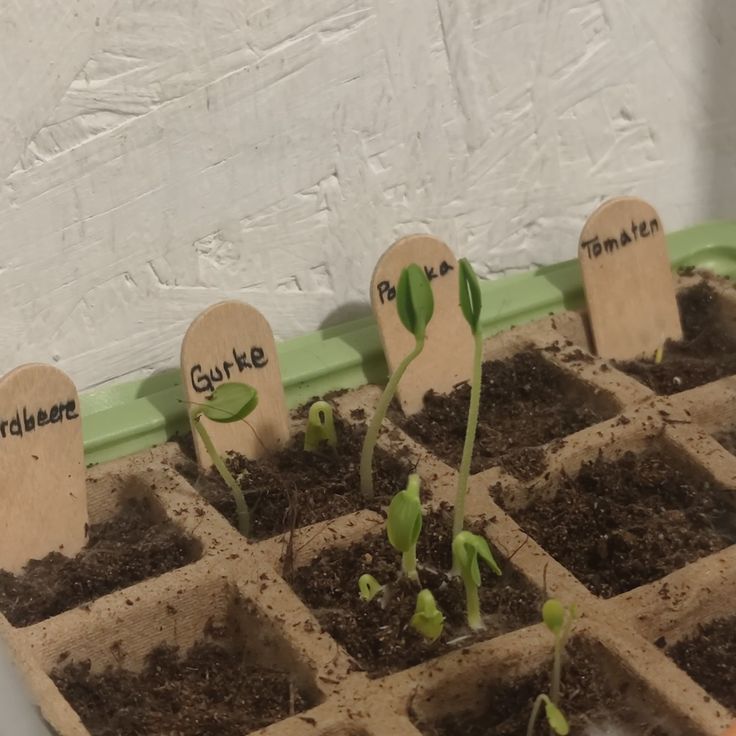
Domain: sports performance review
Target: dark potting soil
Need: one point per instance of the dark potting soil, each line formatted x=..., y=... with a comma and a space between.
x=709, y=657
x=378, y=636
x=130, y=547
x=587, y=698
x=706, y=353
x=525, y=402
x=620, y=524
x=211, y=691
x=294, y=488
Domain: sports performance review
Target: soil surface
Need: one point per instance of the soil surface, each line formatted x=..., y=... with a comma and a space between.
x=211, y=691
x=706, y=353
x=525, y=402
x=131, y=546
x=587, y=699
x=620, y=524
x=378, y=635
x=709, y=658
x=294, y=488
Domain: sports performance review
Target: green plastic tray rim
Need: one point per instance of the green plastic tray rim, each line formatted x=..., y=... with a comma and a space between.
x=129, y=417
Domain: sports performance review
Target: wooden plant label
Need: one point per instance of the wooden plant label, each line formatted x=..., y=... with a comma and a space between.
x=447, y=358
x=43, y=496
x=232, y=342
x=628, y=281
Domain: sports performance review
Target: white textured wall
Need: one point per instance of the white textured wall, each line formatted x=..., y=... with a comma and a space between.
x=159, y=155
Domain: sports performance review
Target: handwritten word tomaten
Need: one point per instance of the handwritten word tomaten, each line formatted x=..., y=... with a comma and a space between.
x=204, y=380
x=387, y=290
x=26, y=421
x=596, y=246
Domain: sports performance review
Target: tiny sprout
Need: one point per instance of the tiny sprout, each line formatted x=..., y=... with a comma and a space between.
x=404, y=524
x=415, y=305
x=555, y=718
x=320, y=427
x=558, y=619
x=659, y=355
x=369, y=587
x=470, y=304
x=427, y=619
x=553, y=615
x=466, y=549
x=229, y=402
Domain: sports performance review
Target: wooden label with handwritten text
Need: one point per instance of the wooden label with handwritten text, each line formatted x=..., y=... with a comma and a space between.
x=447, y=358
x=43, y=496
x=231, y=342
x=628, y=280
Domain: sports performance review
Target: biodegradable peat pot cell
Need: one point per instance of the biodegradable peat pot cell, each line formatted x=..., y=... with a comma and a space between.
x=591, y=485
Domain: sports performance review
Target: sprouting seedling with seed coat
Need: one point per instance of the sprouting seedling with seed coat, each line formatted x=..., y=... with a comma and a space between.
x=404, y=524
x=415, y=305
x=369, y=587
x=427, y=619
x=467, y=549
x=229, y=402
x=558, y=619
x=470, y=305
x=320, y=427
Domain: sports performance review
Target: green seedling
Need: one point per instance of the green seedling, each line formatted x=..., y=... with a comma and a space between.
x=427, y=619
x=415, y=305
x=555, y=717
x=470, y=304
x=229, y=402
x=466, y=549
x=558, y=619
x=369, y=587
x=404, y=524
x=320, y=427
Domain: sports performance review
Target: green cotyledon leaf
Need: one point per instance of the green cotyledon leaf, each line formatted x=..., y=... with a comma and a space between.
x=414, y=300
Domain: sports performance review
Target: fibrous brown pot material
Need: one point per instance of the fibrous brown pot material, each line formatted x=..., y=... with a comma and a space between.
x=677, y=482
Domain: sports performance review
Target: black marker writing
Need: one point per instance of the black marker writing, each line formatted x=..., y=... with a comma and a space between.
x=205, y=380
x=387, y=291
x=26, y=421
x=637, y=231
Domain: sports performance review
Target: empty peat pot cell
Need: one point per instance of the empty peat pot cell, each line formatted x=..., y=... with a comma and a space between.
x=138, y=541
x=294, y=488
x=525, y=402
x=377, y=633
x=706, y=353
x=225, y=676
x=620, y=523
x=596, y=696
x=709, y=657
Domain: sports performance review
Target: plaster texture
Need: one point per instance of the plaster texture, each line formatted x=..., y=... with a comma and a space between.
x=157, y=156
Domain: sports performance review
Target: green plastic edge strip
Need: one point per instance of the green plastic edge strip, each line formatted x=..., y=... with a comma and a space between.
x=129, y=417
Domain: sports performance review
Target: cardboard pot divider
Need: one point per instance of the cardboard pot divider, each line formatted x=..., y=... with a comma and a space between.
x=238, y=586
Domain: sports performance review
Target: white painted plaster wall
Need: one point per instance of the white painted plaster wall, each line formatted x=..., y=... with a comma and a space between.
x=159, y=155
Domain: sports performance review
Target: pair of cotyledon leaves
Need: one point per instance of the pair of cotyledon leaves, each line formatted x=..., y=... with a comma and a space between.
x=415, y=303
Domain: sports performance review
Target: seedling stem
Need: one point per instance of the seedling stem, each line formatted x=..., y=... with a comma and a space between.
x=229, y=402
x=415, y=305
x=470, y=305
